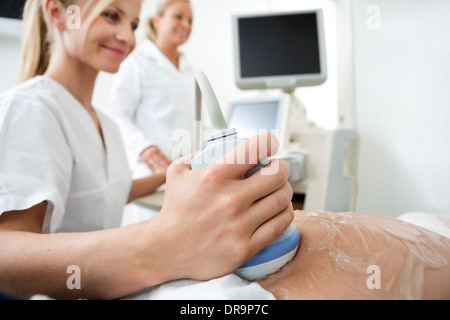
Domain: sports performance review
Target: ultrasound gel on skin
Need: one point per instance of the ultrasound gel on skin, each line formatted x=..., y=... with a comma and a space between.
x=280, y=252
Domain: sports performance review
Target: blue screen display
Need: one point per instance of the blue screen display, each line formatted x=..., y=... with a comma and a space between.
x=250, y=118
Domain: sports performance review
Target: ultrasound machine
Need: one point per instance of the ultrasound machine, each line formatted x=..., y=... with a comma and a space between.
x=285, y=51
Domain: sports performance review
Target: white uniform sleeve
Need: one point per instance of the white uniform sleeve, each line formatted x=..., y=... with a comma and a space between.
x=126, y=94
x=35, y=162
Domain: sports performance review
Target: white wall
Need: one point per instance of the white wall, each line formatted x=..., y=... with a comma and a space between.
x=403, y=105
x=9, y=61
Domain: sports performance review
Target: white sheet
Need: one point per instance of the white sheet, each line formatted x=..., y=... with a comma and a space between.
x=439, y=223
x=230, y=287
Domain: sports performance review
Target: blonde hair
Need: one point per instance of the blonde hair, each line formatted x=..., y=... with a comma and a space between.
x=162, y=8
x=37, y=39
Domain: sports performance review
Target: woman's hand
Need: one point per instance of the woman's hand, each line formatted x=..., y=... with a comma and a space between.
x=155, y=159
x=213, y=220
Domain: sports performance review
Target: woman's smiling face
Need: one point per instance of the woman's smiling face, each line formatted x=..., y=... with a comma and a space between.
x=175, y=25
x=110, y=38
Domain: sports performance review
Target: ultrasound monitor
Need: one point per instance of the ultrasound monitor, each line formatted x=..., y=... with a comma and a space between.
x=11, y=12
x=254, y=116
x=279, y=50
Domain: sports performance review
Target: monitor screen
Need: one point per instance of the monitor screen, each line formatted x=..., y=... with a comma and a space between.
x=252, y=117
x=12, y=9
x=11, y=12
x=279, y=50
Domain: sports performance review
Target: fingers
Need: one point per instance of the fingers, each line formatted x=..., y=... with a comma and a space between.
x=249, y=153
x=269, y=206
x=266, y=181
x=155, y=159
x=272, y=211
x=244, y=158
x=266, y=233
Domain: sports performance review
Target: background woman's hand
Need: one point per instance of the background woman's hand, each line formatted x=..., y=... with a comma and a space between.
x=155, y=159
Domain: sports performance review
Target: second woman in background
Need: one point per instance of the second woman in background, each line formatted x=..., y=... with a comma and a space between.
x=152, y=95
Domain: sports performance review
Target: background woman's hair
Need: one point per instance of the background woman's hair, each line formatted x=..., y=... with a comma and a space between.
x=37, y=36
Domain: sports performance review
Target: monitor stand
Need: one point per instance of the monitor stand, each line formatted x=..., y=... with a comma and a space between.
x=330, y=183
x=295, y=121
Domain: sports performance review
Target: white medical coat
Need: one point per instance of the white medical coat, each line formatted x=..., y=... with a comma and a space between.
x=153, y=103
x=51, y=150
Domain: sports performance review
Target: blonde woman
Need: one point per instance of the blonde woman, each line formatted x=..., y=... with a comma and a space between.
x=152, y=95
x=64, y=178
